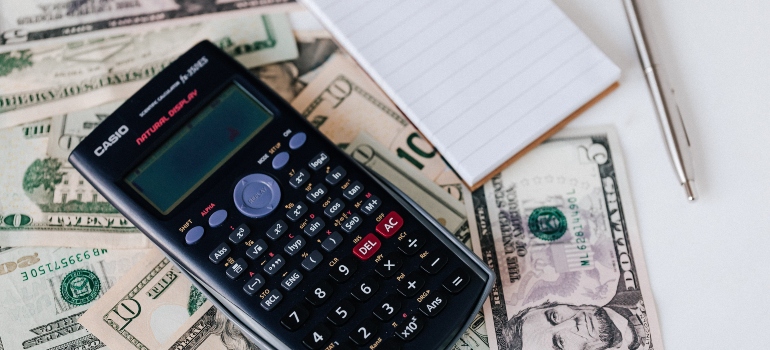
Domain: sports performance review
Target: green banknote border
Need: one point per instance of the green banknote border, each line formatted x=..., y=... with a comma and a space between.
x=133, y=292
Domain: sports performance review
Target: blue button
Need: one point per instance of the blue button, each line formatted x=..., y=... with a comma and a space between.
x=256, y=195
x=297, y=140
x=280, y=160
x=217, y=218
x=194, y=235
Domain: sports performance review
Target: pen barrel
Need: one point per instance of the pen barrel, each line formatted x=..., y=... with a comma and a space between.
x=662, y=92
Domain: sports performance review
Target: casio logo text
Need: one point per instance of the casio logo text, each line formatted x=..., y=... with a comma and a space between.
x=111, y=140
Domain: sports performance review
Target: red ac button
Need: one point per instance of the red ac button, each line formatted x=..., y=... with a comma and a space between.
x=366, y=248
x=390, y=224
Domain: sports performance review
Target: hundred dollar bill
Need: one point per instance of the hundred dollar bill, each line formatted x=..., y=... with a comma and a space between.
x=153, y=303
x=24, y=23
x=44, y=201
x=448, y=211
x=342, y=101
x=45, y=290
x=56, y=79
x=558, y=229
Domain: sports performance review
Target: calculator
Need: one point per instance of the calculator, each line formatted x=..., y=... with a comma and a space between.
x=293, y=240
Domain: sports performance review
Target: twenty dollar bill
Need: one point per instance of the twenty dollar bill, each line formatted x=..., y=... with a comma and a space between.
x=558, y=229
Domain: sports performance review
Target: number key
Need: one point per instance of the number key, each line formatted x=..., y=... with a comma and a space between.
x=318, y=337
x=341, y=314
x=364, y=332
x=365, y=289
x=295, y=318
x=388, y=308
x=344, y=270
x=320, y=294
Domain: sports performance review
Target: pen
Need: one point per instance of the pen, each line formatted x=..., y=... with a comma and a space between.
x=665, y=105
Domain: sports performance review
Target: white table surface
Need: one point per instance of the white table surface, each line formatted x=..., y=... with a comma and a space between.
x=708, y=260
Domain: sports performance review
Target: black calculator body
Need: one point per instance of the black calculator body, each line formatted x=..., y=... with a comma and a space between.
x=296, y=242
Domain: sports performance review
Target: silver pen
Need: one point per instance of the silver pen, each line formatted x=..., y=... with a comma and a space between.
x=665, y=105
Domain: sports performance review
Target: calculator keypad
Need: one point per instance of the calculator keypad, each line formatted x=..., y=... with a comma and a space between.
x=354, y=272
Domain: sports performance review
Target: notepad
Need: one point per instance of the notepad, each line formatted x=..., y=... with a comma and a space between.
x=483, y=80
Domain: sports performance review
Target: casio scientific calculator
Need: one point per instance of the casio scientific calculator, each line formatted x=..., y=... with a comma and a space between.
x=293, y=240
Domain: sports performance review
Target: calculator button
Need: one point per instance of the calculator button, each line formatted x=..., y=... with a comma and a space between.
x=337, y=174
x=217, y=218
x=367, y=247
x=297, y=140
x=390, y=224
x=409, y=329
x=370, y=205
x=280, y=160
x=194, y=235
x=274, y=264
x=343, y=270
x=331, y=242
x=317, y=338
x=334, y=208
x=278, y=228
x=364, y=332
x=256, y=195
x=295, y=318
x=353, y=190
x=236, y=269
x=291, y=280
x=314, y=227
x=295, y=213
x=388, y=308
x=341, y=314
x=411, y=244
x=352, y=223
x=410, y=285
x=364, y=290
x=456, y=281
x=271, y=300
x=299, y=178
x=256, y=249
x=316, y=193
x=433, y=263
x=239, y=234
x=312, y=260
x=320, y=293
x=433, y=304
x=254, y=284
x=220, y=253
x=318, y=161
x=388, y=266
x=294, y=246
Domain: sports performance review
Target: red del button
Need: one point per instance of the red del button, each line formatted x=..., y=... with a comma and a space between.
x=366, y=248
x=390, y=224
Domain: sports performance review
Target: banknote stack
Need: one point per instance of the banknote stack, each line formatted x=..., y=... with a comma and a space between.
x=557, y=226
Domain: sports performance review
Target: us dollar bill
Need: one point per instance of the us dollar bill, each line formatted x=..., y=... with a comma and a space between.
x=44, y=201
x=24, y=23
x=154, y=304
x=342, y=101
x=558, y=229
x=447, y=210
x=46, y=290
x=55, y=79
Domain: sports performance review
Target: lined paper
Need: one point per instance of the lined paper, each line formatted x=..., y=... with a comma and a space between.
x=480, y=79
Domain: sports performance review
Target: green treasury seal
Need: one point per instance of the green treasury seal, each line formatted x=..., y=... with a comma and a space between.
x=547, y=223
x=80, y=287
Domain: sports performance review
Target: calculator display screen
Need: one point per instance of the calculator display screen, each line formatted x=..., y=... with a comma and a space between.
x=198, y=149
